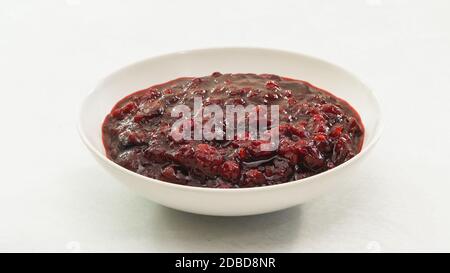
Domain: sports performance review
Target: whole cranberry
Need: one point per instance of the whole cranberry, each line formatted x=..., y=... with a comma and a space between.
x=254, y=177
x=231, y=170
x=208, y=159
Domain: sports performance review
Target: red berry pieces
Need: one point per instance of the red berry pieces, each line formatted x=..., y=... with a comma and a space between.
x=208, y=159
x=156, y=154
x=271, y=85
x=313, y=159
x=331, y=109
x=254, y=178
x=196, y=81
x=336, y=131
x=169, y=173
x=151, y=109
x=271, y=97
x=184, y=154
x=132, y=138
x=316, y=131
x=231, y=170
x=121, y=112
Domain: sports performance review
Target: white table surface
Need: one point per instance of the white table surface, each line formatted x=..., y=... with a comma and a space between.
x=54, y=196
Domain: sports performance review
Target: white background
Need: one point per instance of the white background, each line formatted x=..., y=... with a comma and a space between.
x=54, y=197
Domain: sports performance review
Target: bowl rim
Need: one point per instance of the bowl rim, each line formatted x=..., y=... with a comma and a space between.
x=377, y=132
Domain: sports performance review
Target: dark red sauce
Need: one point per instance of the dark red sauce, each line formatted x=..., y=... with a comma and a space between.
x=317, y=132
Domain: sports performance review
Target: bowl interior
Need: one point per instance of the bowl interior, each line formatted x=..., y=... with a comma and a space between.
x=226, y=60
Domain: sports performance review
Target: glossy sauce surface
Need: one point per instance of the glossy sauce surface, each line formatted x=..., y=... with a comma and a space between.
x=317, y=131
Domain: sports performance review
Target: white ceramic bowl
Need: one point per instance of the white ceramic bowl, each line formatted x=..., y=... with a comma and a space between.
x=228, y=202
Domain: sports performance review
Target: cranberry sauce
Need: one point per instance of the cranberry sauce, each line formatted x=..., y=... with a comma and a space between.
x=317, y=132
